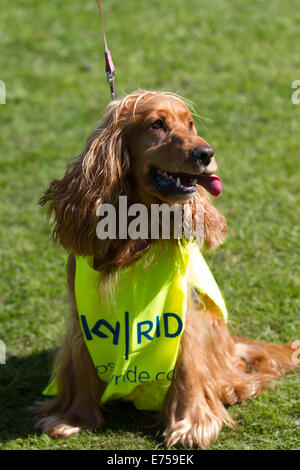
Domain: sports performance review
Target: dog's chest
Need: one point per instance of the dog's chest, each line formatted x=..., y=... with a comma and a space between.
x=134, y=335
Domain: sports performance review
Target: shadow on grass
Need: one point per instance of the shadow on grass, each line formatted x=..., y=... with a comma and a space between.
x=22, y=380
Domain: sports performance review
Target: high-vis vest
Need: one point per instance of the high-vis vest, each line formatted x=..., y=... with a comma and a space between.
x=133, y=336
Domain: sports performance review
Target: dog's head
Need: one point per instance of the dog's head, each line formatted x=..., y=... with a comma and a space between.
x=147, y=148
x=168, y=158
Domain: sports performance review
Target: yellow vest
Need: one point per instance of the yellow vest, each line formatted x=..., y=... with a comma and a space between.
x=133, y=337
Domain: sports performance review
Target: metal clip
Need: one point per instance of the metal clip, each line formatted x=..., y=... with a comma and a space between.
x=111, y=82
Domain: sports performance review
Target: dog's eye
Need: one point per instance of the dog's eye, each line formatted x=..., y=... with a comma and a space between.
x=157, y=124
x=191, y=125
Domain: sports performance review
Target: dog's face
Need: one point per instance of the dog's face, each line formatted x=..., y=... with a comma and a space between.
x=167, y=157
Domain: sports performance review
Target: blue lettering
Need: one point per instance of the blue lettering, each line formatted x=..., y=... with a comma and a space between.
x=143, y=329
x=126, y=335
x=159, y=373
x=157, y=332
x=143, y=377
x=103, y=367
x=96, y=329
x=166, y=325
x=134, y=375
x=141, y=333
x=115, y=331
x=86, y=328
x=117, y=376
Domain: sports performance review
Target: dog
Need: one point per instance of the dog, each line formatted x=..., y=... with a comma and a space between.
x=147, y=149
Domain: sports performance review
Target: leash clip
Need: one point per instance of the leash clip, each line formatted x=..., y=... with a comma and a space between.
x=110, y=73
x=111, y=82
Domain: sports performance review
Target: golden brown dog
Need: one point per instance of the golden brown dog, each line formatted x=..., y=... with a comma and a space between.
x=147, y=148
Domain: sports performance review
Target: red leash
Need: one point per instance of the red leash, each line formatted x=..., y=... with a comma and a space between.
x=109, y=65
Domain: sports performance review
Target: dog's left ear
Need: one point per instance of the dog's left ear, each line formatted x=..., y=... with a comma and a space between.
x=215, y=226
x=99, y=175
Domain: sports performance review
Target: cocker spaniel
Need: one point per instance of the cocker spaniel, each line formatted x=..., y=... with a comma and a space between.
x=148, y=322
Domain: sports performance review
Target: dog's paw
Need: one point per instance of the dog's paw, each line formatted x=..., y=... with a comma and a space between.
x=235, y=393
x=189, y=432
x=56, y=427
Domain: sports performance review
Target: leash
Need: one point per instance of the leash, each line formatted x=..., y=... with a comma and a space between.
x=109, y=65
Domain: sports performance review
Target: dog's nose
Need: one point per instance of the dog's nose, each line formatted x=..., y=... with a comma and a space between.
x=204, y=154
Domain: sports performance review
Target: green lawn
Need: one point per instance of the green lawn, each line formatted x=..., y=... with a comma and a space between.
x=236, y=61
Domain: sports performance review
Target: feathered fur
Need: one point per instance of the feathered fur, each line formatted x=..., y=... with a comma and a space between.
x=213, y=367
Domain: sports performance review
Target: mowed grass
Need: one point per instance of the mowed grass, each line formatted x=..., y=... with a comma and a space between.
x=236, y=61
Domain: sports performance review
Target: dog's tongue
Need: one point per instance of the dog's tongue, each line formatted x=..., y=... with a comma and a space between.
x=211, y=183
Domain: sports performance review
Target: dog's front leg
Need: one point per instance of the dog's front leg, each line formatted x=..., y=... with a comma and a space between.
x=77, y=404
x=193, y=411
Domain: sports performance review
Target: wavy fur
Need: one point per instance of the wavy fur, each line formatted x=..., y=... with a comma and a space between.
x=213, y=368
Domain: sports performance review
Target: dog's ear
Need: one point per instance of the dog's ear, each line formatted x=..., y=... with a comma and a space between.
x=214, y=222
x=98, y=175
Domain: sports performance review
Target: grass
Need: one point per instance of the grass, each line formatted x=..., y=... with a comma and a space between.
x=236, y=61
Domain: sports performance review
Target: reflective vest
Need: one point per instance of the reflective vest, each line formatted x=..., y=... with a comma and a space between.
x=133, y=335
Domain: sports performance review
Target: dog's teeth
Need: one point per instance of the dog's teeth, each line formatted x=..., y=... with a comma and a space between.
x=194, y=182
x=165, y=175
x=178, y=182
